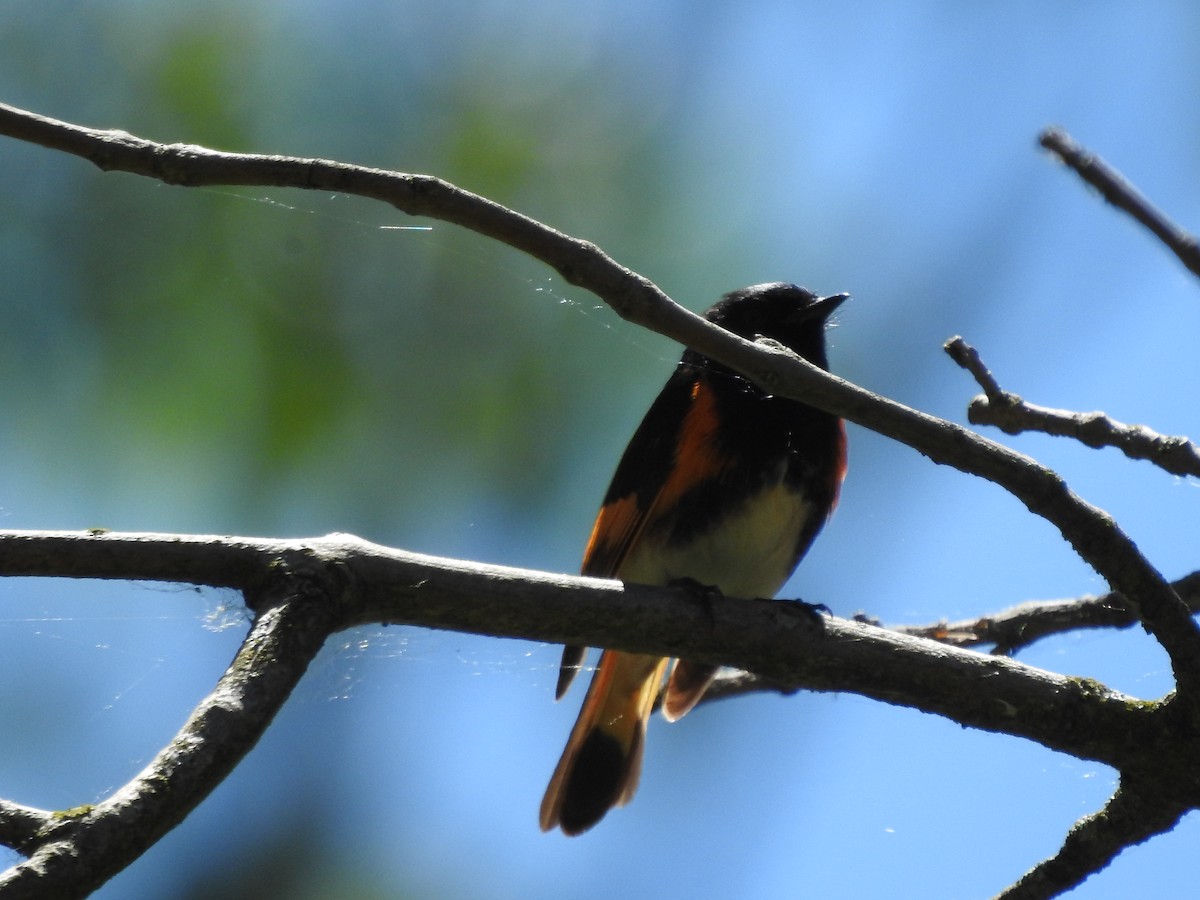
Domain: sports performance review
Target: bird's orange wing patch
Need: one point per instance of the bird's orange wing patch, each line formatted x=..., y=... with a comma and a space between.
x=696, y=458
x=617, y=525
x=842, y=464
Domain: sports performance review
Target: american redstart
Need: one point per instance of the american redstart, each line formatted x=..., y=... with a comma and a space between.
x=723, y=485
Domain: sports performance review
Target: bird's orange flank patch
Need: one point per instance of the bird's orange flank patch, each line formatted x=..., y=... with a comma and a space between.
x=697, y=457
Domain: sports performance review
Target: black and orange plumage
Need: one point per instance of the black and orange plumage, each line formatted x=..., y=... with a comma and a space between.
x=722, y=484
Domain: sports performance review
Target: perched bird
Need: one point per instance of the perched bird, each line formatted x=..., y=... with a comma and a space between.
x=723, y=485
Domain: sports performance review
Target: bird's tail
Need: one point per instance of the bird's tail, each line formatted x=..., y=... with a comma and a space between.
x=602, y=762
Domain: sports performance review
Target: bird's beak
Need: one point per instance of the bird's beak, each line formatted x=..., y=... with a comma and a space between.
x=822, y=308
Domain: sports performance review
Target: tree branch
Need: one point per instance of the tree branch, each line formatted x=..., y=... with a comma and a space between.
x=1134, y=814
x=1019, y=626
x=1013, y=415
x=774, y=639
x=1007, y=631
x=1113, y=186
x=20, y=825
x=72, y=854
x=304, y=590
x=1090, y=531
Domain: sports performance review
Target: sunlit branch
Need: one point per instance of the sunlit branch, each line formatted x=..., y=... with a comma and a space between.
x=369, y=584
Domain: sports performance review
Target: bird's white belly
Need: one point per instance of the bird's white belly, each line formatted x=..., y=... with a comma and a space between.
x=747, y=554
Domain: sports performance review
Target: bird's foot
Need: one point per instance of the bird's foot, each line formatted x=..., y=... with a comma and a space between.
x=814, y=612
x=707, y=595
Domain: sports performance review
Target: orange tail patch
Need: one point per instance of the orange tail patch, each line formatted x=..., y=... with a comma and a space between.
x=687, y=684
x=602, y=762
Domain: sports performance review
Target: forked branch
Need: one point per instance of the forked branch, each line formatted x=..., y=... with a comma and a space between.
x=1013, y=415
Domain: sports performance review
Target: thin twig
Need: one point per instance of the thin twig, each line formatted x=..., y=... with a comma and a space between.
x=1113, y=186
x=1171, y=453
x=1013, y=629
x=1013, y=415
x=967, y=358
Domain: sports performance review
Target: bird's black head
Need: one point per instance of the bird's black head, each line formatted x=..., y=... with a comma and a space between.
x=792, y=315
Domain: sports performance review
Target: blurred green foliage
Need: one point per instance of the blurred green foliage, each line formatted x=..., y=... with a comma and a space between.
x=280, y=362
x=242, y=355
